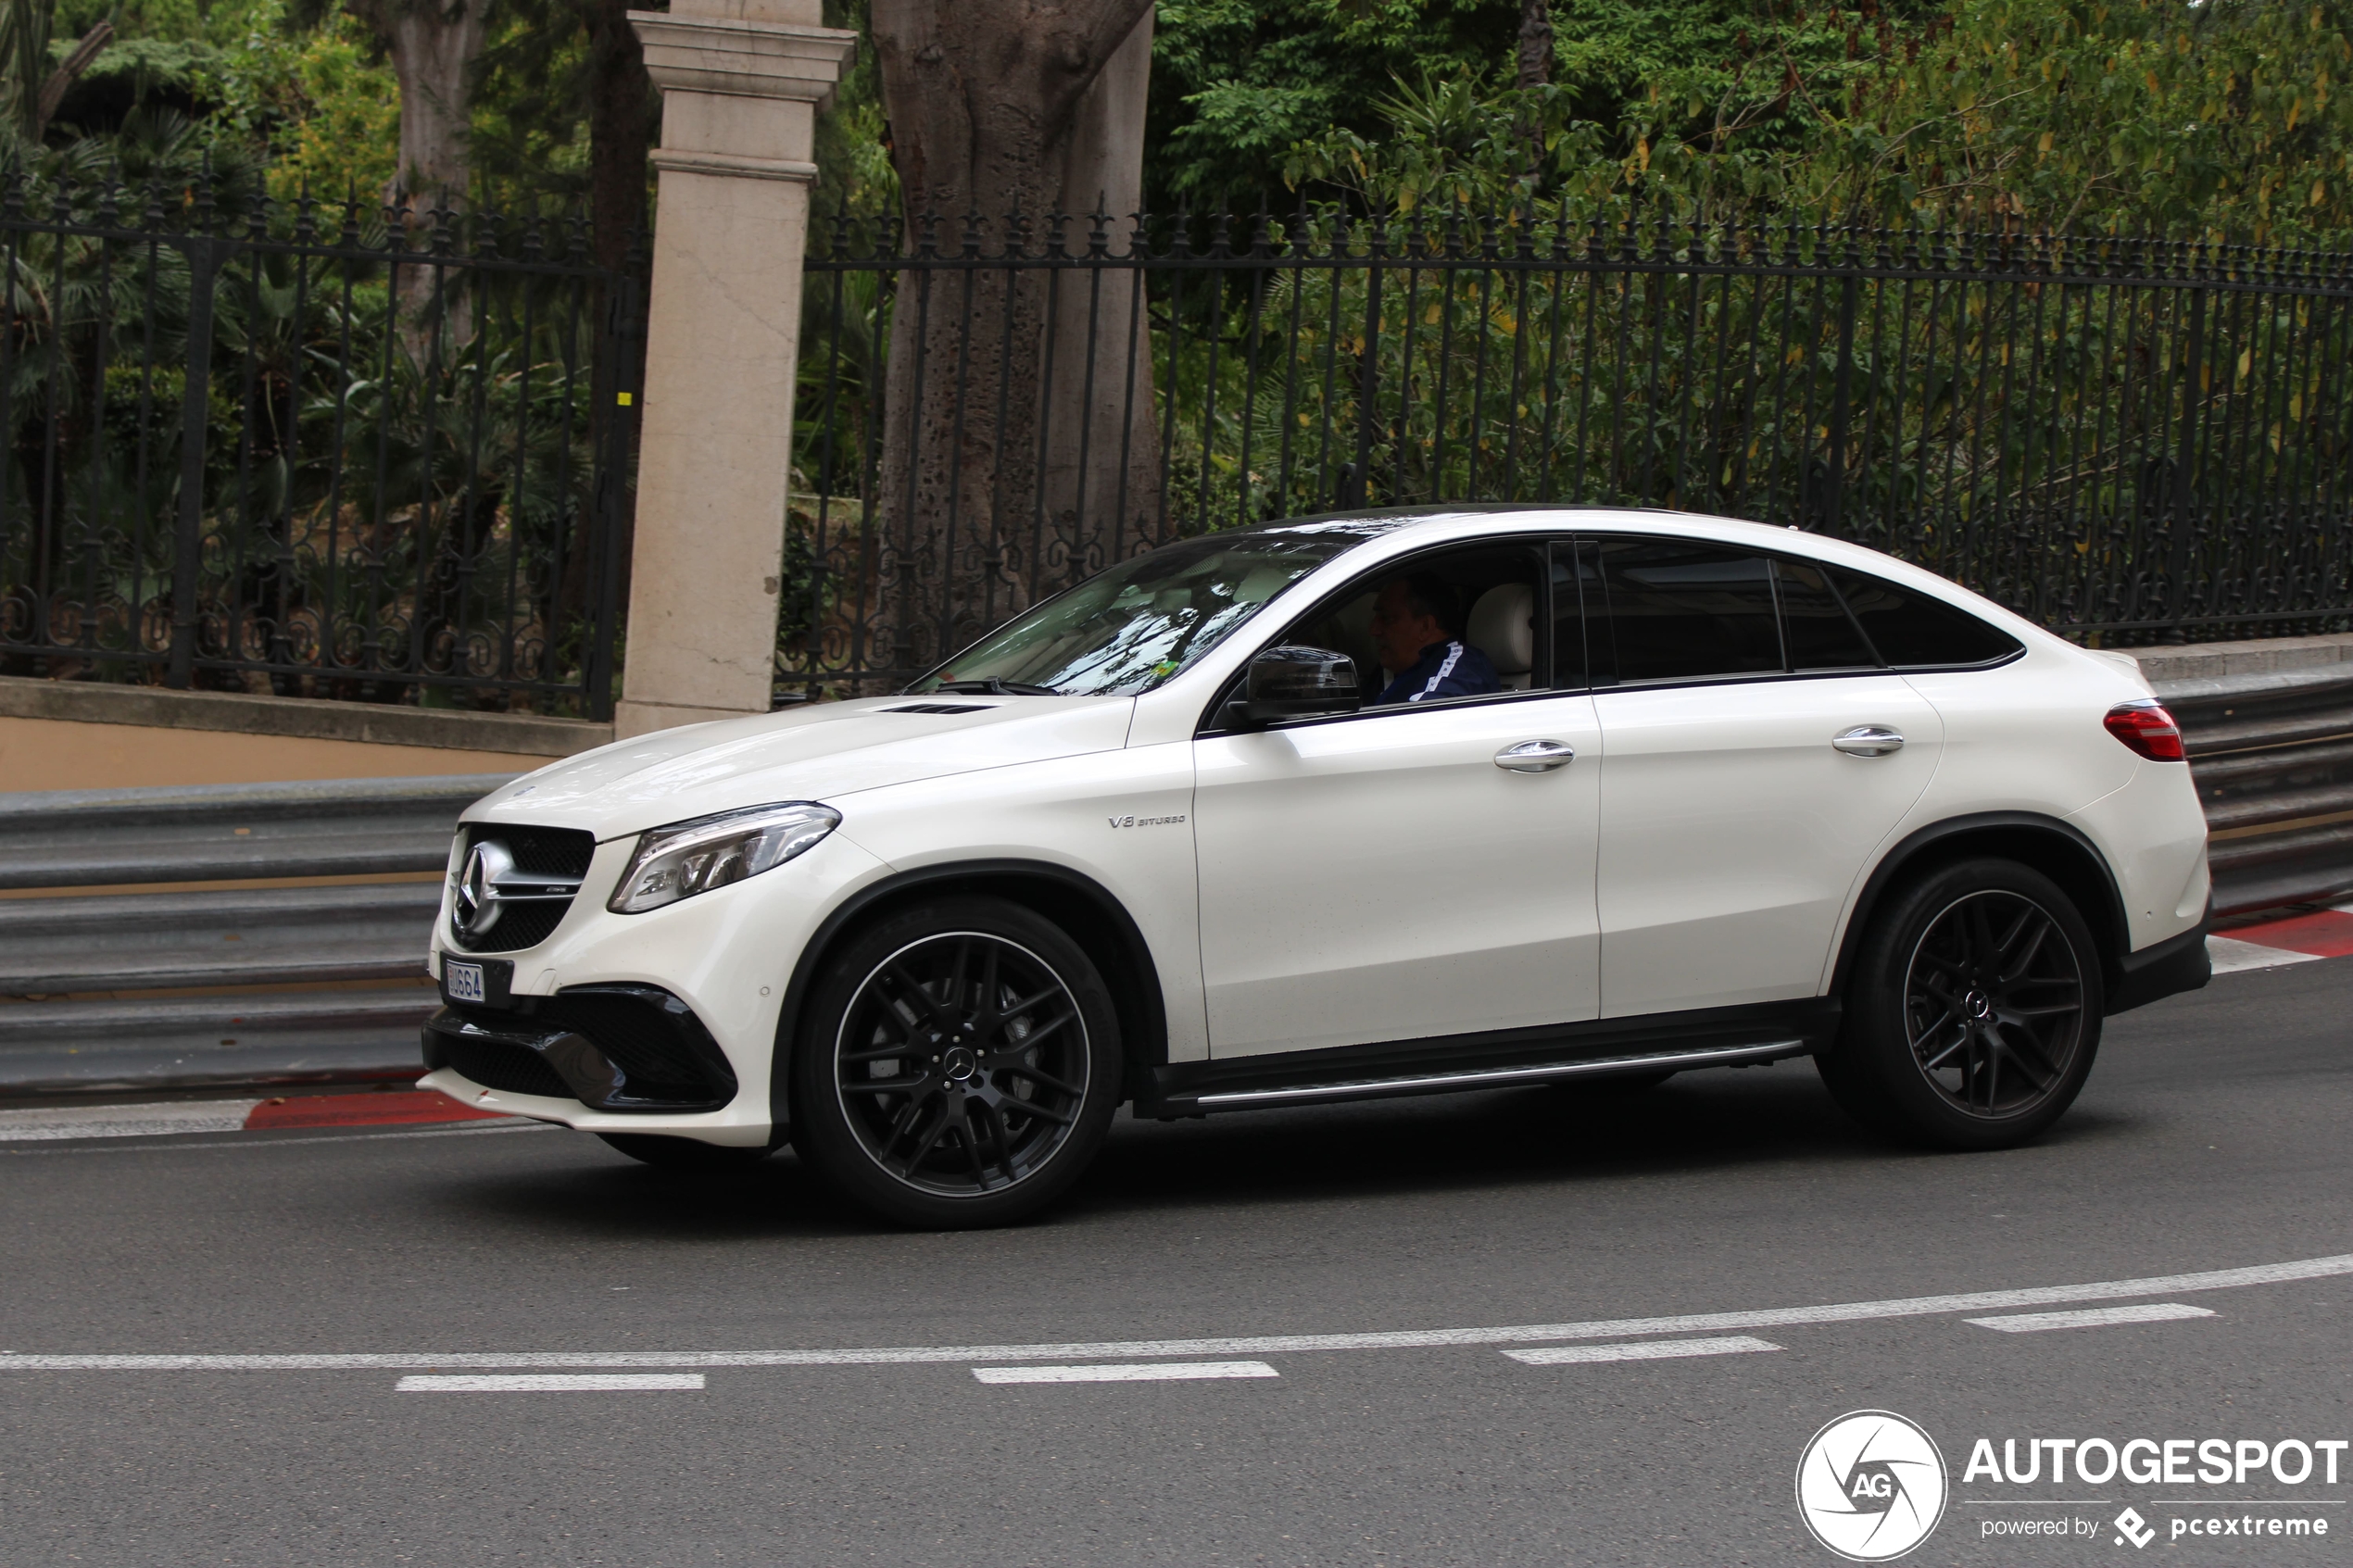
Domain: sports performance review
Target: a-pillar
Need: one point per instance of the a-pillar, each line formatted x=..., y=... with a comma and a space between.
x=741, y=84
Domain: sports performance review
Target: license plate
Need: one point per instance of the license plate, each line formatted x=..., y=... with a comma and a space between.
x=463, y=982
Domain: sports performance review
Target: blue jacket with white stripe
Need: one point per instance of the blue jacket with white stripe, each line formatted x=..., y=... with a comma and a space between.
x=1449, y=669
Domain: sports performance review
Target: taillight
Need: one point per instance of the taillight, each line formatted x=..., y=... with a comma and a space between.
x=2147, y=729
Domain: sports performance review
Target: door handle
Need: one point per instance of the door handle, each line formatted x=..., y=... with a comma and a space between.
x=1535, y=756
x=1868, y=740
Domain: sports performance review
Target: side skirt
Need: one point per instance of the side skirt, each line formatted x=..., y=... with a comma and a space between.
x=1741, y=1036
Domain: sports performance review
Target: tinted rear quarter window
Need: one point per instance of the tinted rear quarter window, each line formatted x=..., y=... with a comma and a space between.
x=1681, y=612
x=1821, y=634
x=1910, y=629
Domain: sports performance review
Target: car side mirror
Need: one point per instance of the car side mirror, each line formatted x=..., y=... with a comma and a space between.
x=1292, y=682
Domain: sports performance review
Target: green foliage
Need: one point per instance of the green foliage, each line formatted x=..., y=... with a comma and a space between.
x=854, y=173
x=530, y=120
x=1235, y=82
x=2121, y=116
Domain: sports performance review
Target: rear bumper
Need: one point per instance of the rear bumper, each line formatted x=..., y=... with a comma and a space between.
x=2178, y=964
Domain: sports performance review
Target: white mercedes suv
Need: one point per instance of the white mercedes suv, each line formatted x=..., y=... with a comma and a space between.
x=1679, y=793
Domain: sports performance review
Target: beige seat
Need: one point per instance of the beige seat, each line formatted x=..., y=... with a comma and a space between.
x=1503, y=626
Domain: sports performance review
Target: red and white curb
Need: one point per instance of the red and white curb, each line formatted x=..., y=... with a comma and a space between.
x=378, y=1108
x=2325, y=933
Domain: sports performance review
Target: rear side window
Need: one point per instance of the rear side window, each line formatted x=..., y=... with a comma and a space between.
x=1909, y=629
x=1685, y=611
x=1820, y=633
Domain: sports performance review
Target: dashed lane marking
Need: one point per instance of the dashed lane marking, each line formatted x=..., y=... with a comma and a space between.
x=554, y=1383
x=1272, y=1343
x=1126, y=1371
x=2096, y=1317
x=1641, y=1350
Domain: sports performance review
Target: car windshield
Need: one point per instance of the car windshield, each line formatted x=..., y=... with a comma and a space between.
x=1131, y=627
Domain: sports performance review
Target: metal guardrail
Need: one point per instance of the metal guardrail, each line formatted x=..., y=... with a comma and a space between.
x=2273, y=755
x=239, y=985
x=228, y=833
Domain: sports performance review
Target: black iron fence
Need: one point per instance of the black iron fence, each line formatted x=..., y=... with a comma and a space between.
x=328, y=451
x=2128, y=441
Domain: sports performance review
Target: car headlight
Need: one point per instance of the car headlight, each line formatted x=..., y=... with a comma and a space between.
x=685, y=859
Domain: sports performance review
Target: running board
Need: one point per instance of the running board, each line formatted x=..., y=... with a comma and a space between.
x=1200, y=1103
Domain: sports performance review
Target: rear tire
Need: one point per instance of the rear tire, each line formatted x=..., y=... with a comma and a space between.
x=1973, y=1012
x=958, y=1065
x=668, y=1153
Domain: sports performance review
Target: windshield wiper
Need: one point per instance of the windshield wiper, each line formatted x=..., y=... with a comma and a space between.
x=994, y=687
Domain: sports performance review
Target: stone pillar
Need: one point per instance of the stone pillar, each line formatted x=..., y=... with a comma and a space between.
x=742, y=81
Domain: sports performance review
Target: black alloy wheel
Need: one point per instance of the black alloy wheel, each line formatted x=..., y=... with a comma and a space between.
x=1993, y=1003
x=1973, y=1011
x=959, y=1068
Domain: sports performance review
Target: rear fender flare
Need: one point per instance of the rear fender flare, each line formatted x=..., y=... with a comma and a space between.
x=2081, y=868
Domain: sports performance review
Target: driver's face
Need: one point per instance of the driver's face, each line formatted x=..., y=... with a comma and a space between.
x=1399, y=635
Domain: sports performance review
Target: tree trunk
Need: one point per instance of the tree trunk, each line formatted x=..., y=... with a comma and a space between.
x=622, y=119
x=433, y=44
x=1535, y=42
x=994, y=121
x=1102, y=483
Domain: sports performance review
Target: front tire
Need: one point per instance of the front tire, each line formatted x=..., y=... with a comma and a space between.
x=1974, y=1009
x=958, y=1065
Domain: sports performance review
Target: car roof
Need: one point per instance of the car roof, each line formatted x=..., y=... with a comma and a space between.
x=1447, y=522
x=1452, y=520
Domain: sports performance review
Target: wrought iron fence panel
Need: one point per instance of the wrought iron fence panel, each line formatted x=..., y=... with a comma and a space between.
x=2127, y=440
x=299, y=448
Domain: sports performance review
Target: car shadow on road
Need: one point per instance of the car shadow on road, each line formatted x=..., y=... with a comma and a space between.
x=1755, y=1119
x=1762, y=1120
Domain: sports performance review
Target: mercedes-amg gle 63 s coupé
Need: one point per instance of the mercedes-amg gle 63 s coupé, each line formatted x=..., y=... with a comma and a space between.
x=1354, y=805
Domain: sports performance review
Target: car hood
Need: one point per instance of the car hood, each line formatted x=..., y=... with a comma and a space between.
x=819, y=752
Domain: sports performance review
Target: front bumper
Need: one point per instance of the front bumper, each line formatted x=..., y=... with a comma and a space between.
x=726, y=957
x=629, y=1049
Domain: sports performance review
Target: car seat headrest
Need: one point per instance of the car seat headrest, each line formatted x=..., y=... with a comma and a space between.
x=1503, y=626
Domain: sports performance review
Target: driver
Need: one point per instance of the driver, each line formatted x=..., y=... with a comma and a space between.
x=1414, y=624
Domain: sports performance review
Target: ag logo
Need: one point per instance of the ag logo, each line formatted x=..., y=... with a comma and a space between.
x=1870, y=1486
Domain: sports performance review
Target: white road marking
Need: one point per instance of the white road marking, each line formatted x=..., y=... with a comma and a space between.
x=261, y=1139
x=2229, y=956
x=552, y=1383
x=1271, y=1344
x=125, y=1121
x=2095, y=1317
x=1641, y=1350
x=1125, y=1372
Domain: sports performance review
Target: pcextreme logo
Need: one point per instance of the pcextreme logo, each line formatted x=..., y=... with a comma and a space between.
x=1870, y=1486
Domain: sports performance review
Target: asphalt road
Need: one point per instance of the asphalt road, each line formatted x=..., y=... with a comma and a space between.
x=2213, y=1136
